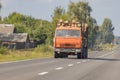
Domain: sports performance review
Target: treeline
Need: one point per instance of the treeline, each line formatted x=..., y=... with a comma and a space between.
x=81, y=12
x=41, y=30
x=38, y=30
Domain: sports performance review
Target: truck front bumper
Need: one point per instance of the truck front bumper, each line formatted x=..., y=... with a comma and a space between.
x=67, y=50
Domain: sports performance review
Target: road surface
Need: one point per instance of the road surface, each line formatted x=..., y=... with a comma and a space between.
x=99, y=66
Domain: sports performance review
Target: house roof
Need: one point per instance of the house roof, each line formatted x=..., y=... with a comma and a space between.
x=15, y=37
x=6, y=28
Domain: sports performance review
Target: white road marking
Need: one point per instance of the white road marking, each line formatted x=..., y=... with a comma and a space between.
x=70, y=64
x=88, y=60
x=42, y=73
x=78, y=62
x=59, y=68
x=84, y=61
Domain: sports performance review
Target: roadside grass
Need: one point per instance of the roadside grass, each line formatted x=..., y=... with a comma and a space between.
x=104, y=47
x=42, y=51
x=108, y=47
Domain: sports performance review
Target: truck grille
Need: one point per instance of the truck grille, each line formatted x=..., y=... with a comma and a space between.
x=67, y=45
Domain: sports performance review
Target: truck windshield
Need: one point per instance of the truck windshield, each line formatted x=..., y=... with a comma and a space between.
x=65, y=33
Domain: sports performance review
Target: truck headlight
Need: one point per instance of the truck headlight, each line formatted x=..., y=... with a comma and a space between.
x=78, y=50
x=57, y=50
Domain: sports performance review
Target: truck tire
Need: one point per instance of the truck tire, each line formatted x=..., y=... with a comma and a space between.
x=79, y=56
x=56, y=55
x=65, y=55
x=85, y=53
x=82, y=53
x=61, y=55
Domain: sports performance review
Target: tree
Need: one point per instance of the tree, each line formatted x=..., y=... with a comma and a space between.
x=106, y=30
x=58, y=12
x=92, y=33
x=79, y=10
x=38, y=30
x=0, y=6
x=0, y=10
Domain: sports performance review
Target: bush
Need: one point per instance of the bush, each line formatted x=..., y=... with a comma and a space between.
x=108, y=46
x=43, y=48
x=3, y=50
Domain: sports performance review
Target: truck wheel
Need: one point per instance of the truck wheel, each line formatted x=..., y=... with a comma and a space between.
x=85, y=53
x=79, y=56
x=61, y=56
x=65, y=55
x=56, y=55
x=82, y=53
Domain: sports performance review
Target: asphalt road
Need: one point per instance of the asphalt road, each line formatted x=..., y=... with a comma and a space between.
x=99, y=66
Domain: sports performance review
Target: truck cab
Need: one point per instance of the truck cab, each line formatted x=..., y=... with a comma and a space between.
x=68, y=40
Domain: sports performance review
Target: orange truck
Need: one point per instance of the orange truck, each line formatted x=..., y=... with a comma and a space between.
x=71, y=39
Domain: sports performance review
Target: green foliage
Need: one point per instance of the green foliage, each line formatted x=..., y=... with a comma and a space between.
x=3, y=50
x=38, y=30
x=19, y=28
x=58, y=13
x=79, y=10
x=0, y=13
x=93, y=33
x=106, y=31
x=0, y=5
x=23, y=54
x=43, y=48
x=107, y=46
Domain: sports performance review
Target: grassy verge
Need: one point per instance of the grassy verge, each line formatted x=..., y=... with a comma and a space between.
x=108, y=47
x=104, y=47
x=42, y=51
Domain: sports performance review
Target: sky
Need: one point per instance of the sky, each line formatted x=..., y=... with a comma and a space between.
x=43, y=9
